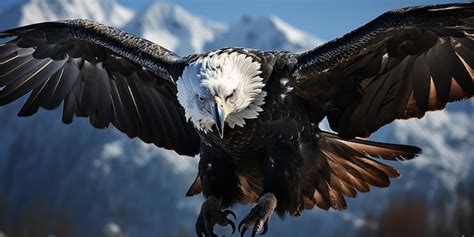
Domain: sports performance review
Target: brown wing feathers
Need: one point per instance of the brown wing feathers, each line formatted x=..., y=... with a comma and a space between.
x=348, y=167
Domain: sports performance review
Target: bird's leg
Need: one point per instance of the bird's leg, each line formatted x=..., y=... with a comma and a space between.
x=259, y=216
x=210, y=215
x=281, y=182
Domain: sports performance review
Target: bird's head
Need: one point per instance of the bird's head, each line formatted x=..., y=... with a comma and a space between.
x=222, y=88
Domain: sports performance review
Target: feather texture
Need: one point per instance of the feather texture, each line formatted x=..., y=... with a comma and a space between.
x=400, y=65
x=352, y=167
x=97, y=72
x=222, y=74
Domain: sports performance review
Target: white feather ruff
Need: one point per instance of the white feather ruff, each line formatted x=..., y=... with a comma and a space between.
x=222, y=74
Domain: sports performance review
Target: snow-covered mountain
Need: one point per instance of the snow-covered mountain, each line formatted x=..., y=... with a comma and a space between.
x=112, y=185
x=174, y=28
x=264, y=33
x=47, y=10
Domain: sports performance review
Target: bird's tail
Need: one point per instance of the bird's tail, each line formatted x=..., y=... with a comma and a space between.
x=350, y=165
x=366, y=148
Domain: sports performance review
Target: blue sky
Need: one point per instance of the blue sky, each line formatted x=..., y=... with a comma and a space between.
x=324, y=18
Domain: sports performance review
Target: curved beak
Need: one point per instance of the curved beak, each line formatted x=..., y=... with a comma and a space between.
x=220, y=113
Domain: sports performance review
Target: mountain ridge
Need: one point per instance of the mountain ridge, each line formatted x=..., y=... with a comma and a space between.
x=174, y=28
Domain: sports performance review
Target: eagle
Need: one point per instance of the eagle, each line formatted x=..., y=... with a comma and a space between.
x=253, y=116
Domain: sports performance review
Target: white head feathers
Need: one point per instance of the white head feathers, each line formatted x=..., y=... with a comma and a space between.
x=233, y=77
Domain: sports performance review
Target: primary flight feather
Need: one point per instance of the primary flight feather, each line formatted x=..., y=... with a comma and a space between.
x=253, y=116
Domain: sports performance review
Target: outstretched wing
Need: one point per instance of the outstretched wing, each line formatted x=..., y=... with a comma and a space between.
x=400, y=65
x=97, y=72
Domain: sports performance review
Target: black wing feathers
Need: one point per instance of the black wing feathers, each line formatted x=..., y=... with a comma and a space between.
x=97, y=72
x=400, y=65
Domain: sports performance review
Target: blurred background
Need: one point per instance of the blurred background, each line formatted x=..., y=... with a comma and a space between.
x=76, y=181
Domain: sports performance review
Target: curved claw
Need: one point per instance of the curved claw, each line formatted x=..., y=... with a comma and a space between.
x=241, y=223
x=229, y=212
x=254, y=232
x=243, y=230
x=232, y=224
x=259, y=215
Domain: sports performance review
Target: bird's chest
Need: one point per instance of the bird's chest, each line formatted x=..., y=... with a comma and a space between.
x=279, y=120
x=238, y=141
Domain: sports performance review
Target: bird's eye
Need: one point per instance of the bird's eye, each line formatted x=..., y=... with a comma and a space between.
x=231, y=95
x=201, y=99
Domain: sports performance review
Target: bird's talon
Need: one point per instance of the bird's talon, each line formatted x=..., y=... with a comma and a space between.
x=259, y=216
x=212, y=215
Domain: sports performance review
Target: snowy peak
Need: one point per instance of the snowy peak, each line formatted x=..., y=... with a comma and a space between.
x=293, y=35
x=174, y=28
x=445, y=155
x=265, y=33
x=170, y=26
x=107, y=12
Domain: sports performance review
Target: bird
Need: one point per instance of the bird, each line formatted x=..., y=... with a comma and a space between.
x=253, y=116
